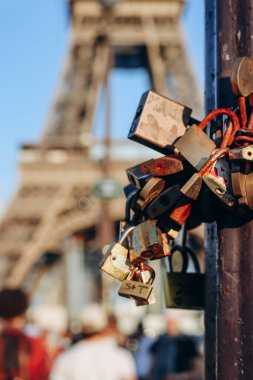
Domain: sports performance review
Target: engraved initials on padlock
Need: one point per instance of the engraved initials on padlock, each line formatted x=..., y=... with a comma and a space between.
x=137, y=289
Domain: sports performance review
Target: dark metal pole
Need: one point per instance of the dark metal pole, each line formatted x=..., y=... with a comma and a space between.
x=211, y=241
x=231, y=355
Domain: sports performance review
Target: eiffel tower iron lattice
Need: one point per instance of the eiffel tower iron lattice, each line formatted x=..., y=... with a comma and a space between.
x=54, y=198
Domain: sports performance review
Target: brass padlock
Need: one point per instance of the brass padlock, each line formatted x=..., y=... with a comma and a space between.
x=147, y=242
x=195, y=146
x=242, y=76
x=244, y=186
x=183, y=290
x=242, y=182
x=136, y=288
x=116, y=260
x=158, y=121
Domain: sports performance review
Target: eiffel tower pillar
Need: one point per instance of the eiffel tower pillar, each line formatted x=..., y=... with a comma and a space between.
x=57, y=175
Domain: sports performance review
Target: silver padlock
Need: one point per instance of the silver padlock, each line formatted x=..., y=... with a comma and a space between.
x=218, y=179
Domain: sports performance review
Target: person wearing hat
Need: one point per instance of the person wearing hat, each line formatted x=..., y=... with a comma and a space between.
x=21, y=357
x=97, y=356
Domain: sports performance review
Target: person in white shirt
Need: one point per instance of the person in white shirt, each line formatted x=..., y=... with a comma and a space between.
x=97, y=357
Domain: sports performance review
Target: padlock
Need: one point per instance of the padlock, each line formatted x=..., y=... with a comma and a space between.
x=243, y=153
x=242, y=76
x=158, y=122
x=148, y=275
x=184, y=290
x=163, y=166
x=171, y=224
x=248, y=190
x=192, y=187
x=137, y=177
x=243, y=185
x=147, y=242
x=165, y=251
x=195, y=146
x=116, y=259
x=218, y=180
x=136, y=288
x=150, y=191
x=164, y=202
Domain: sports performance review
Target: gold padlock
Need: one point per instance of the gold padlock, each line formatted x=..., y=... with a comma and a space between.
x=116, y=259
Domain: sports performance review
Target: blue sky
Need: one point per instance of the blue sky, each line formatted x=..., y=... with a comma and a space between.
x=33, y=42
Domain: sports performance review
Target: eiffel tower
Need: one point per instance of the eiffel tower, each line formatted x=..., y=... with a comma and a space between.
x=55, y=197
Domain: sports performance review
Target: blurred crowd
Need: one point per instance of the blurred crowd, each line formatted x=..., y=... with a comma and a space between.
x=98, y=351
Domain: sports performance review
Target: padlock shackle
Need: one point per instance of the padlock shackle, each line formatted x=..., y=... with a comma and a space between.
x=125, y=234
x=230, y=132
x=186, y=252
x=133, y=274
x=144, y=267
x=243, y=140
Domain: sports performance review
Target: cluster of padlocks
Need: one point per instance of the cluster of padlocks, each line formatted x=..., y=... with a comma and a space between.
x=197, y=178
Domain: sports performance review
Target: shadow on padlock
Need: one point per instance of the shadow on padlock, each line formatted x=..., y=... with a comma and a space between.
x=183, y=290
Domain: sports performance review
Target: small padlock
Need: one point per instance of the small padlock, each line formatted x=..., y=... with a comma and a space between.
x=137, y=177
x=171, y=224
x=243, y=153
x=163, y=166
x=136, y=289
x=243, y=185
x=218, y=180
x=183, y=290
x=147, y=242
x=150, y=191
x=195, y=146
x=192, y=187
x=164, y=202
x=242, y=182
x=158, y=122
x=116, y=259
x=242, y=76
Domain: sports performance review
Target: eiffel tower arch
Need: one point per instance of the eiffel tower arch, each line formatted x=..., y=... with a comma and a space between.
x=57, y=175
